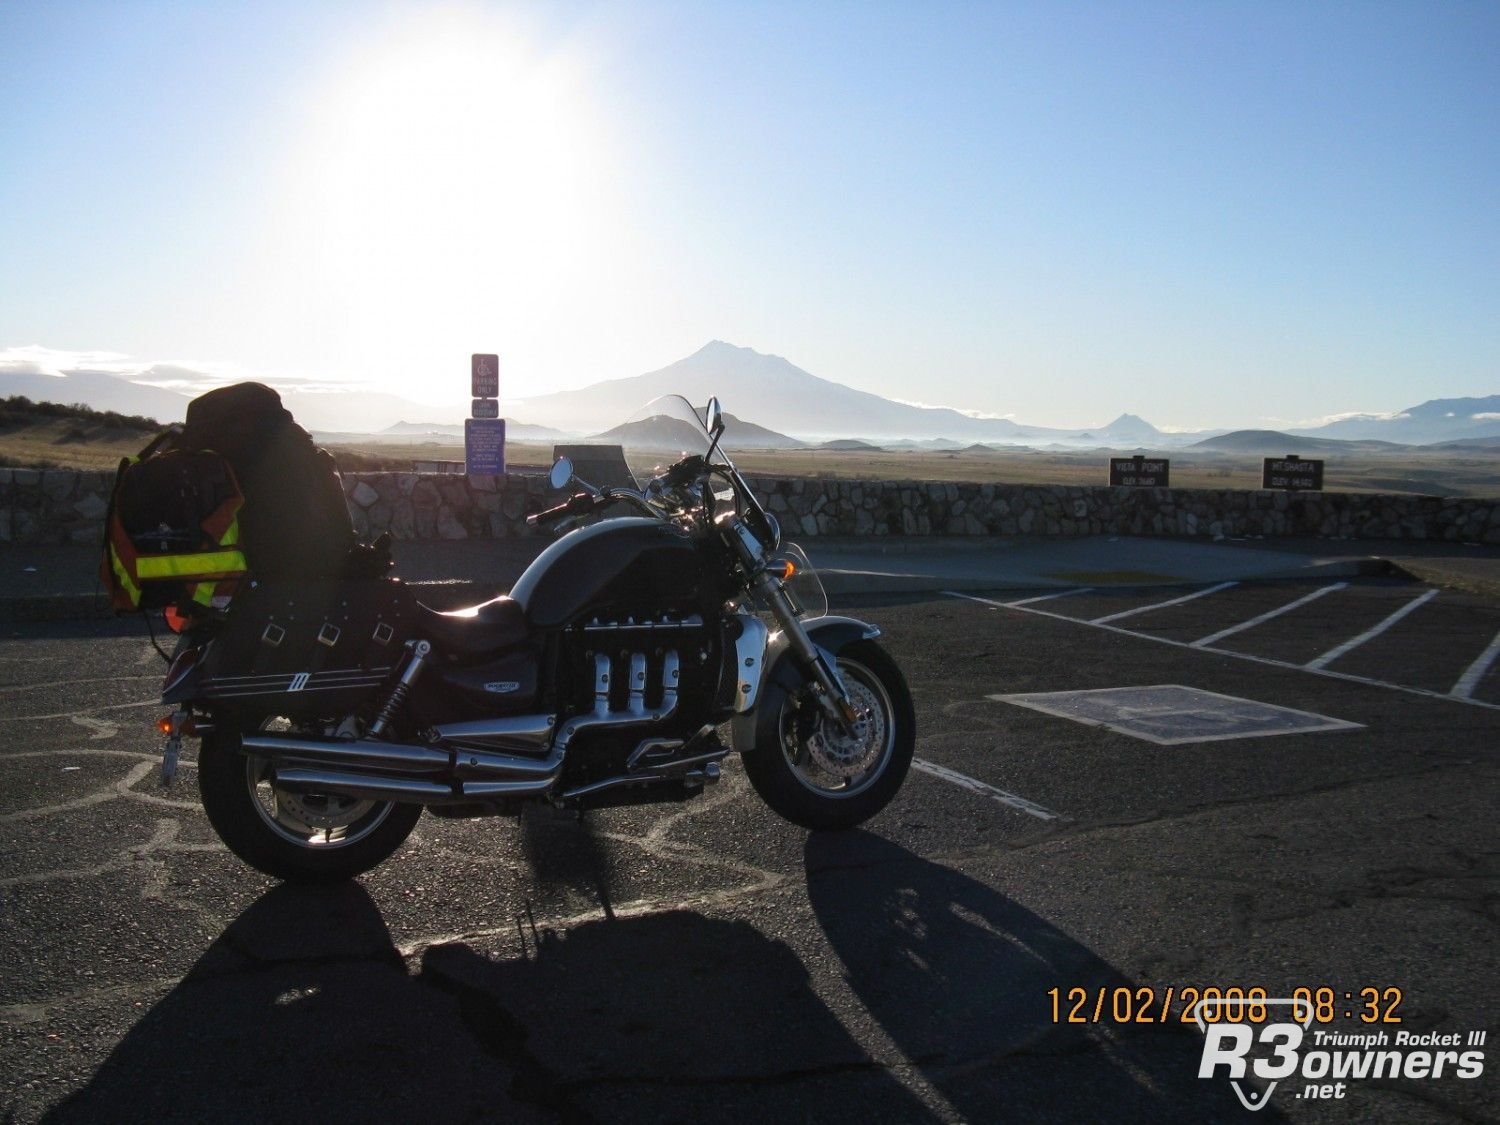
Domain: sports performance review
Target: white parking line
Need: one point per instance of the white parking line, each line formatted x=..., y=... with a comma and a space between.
x=1163, y=605
x=1204, y=642
x=1049, y=597
x=975, y=785
x=1475, y=672
x=1369, y=634
x=1265, y=660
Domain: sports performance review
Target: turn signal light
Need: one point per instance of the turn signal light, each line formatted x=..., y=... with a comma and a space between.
x=784, y=569
x=186, y=729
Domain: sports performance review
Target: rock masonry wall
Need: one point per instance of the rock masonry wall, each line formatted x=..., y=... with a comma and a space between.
x=64, y=506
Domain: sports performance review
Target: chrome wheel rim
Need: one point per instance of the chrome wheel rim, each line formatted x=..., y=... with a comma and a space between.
x=310, y=820
x=838, y=764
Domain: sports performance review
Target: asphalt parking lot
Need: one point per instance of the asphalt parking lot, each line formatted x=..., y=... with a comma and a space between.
x=710, y=962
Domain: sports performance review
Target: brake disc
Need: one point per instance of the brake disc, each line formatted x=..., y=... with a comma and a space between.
x=849, y=753
x=318, y=812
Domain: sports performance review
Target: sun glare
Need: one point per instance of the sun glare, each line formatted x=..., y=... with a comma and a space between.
x=448, y=194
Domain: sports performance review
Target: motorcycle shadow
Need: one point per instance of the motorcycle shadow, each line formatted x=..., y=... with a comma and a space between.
x=303, y=1009
x=957, y=976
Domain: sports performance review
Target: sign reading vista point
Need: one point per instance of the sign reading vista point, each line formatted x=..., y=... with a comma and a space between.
x=1139, y=472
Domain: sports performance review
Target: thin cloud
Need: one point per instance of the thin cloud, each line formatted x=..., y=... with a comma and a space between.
x=33, y=359
x=1329, y=419
x=190, y=377
x=980, y=414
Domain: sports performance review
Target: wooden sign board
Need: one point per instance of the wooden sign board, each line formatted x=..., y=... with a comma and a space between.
x=1139, y=472
x=1292, y=474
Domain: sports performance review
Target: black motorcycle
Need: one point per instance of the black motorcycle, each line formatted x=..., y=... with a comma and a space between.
x=332, y=713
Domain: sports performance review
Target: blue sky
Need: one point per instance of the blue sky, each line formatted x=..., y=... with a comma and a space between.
x=1209, y=214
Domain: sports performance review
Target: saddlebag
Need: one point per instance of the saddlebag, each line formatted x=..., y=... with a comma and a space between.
x=310, y=649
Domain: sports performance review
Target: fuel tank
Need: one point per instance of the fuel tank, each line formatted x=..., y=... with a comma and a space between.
x=631, y=564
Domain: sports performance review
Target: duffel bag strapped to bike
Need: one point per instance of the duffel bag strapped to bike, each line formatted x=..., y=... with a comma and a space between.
x=308, y=649
x=172, y=532
x=296, y=522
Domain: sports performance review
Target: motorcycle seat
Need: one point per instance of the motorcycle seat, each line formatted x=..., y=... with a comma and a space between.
x=479, y=629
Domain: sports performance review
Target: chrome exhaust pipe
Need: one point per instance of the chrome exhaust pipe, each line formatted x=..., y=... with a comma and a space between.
x=399, y=757
x=319, y=765
x=364, y=753
x=408, y=790
x=365, y=787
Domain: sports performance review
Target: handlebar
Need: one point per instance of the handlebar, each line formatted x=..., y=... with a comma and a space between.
x=572, y=506
x=582, y=502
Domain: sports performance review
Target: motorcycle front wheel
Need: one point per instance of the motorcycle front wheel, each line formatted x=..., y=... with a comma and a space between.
x=820, y=776
x=297, y=837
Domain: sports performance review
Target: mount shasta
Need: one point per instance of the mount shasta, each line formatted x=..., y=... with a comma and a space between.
x=764, y=389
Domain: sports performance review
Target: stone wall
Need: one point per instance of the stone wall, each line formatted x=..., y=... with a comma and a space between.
x=60, y=506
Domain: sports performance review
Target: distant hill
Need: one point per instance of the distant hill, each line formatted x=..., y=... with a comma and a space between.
x=99, y=391
x=775, y=392
x=849, y=445
x=514, y=431
x=1473, y=445
x=53, y=435
x=401, y=429
x=1430, y=422
x=770, y=389
x=1130, y=428
x=667, y=433
x=929, y=443
x=1274, y=443
x=315, y=408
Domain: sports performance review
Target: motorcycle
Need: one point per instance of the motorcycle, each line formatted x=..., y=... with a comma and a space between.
x=330, y=715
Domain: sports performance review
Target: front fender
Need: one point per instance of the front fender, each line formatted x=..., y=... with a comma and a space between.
x=783, y=675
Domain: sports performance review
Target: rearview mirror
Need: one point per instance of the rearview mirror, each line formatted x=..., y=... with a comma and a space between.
x=714, y=417
x=562, y=473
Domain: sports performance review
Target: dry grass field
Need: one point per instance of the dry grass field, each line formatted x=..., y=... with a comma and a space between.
x=1441, y=473
x=67, y=444
x=63, y=443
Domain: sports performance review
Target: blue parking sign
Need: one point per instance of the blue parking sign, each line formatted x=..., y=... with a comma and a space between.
x=484, y=447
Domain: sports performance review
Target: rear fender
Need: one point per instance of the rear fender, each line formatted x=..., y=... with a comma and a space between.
x=784, y=675
x=185, y=673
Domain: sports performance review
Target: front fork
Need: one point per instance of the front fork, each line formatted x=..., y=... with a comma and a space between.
x=828, y=686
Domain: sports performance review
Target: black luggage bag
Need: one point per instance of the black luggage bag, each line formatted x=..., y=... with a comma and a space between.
x=310, y=649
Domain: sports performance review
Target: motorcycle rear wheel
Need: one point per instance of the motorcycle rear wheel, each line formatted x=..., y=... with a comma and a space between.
x=822, y=778
x=299, y=838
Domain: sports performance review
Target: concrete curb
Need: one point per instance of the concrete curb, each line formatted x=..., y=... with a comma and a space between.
x=853, y=583
x=96, y=607
x=1448, y=575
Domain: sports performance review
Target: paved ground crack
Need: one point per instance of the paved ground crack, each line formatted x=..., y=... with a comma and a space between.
x=502, y=1037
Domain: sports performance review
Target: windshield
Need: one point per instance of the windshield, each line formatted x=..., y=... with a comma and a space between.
x=659, y=434
x=663, y=432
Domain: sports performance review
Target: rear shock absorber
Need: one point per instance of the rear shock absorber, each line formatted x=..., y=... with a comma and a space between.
x=393, y=702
